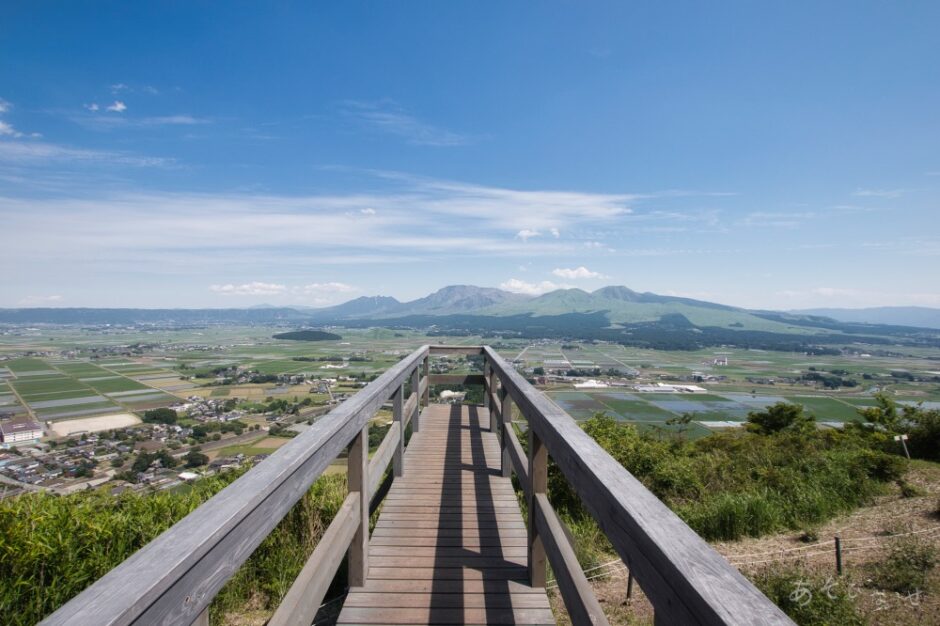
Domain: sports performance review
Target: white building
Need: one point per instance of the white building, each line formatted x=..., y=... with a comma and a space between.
x=20, y=431
x=591, y=384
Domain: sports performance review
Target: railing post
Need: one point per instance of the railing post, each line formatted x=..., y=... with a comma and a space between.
x=538, y=477
x=505, y=416
x=416, y=418
x=490, y=377
x=357, y=476
x=427, y=376
x=398, y=415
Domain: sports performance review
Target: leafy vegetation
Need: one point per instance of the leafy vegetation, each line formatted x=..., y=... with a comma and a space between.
x=907, y=567
x=160, y=416
x=809, y=600
x=308, y=335
x=782, y=474
x=60, y=545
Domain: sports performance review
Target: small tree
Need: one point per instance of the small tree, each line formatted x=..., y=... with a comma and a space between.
x=779, y=417
x=195, y=459
x=160, y=416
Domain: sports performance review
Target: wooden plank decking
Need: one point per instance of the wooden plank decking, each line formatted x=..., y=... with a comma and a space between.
x=450, y=543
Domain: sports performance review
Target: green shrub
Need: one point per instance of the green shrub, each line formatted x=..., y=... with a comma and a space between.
x=732, y=485
x=809, y=600
x=52, y=547
x=907, y=567
x=908, y=490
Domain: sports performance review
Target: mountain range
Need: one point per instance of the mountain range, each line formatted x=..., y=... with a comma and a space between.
x=614, y=313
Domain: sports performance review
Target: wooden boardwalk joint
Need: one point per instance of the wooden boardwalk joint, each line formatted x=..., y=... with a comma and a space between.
x=450, y=543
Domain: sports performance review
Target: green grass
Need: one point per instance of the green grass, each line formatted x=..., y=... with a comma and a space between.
x=52, y=547
x=26, y=387
x=26, y=364
x=827, y=409
x=117, y=384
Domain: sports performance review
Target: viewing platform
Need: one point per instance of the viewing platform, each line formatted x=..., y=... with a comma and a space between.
x=451, y=545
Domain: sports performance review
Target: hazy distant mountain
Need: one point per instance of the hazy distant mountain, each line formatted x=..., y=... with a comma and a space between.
x=446, y=301
x=920, y=316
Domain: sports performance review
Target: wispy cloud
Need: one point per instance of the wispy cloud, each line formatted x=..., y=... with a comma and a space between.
x=41, y=153
x=5, y=106
x=117, y=107
x=516, y=285
x=249, y=289
x=879, y=193
x=527, y=233
x=388, y=117
x=40, y=300
x=576, y=273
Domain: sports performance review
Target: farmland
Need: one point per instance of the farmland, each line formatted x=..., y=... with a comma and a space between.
x=128, y=371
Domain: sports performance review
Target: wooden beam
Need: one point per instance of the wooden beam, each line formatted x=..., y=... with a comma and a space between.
x=517, y=458
x=576, y=591
x=357, y=477
x=456, y=379
x=398, y=420
x=303, y=599
x=175, y=577
x=538, y=484
x=410, y=409
x=505, y=412
x=383, y=456
x=415, y=411
x=425, y=382
x=687, y=581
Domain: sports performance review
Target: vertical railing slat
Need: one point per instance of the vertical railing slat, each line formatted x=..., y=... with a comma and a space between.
x=538, y=477
x=358, y=480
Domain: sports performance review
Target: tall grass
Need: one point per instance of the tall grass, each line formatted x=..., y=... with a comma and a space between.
x=732, y=485
x=53, y=547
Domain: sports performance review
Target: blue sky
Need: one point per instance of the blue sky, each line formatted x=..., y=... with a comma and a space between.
x=777, y=155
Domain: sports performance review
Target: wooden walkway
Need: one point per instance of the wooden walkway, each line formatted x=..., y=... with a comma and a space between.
x=450, y=543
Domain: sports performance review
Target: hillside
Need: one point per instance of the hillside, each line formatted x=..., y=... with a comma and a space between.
x=923, y=317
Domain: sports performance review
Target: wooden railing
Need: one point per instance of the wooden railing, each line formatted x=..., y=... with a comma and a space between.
x=684, y=578
x=173, y=579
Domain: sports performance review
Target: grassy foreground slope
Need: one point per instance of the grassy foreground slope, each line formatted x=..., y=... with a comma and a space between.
x=52, y=547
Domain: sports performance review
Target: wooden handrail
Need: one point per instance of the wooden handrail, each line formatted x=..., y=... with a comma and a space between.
x=173, y=579
x=686, y=580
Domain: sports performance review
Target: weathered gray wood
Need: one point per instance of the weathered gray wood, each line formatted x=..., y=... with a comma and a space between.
x=456, y=379
x=505, y=413
x=487, y=385
x=357, y=477
x=303, y=599
x=687, y=581
x=414, y=413
x=576, y=591
x=383, y=455
x=538, y=484
x=425, y=385
x=449, y=350
x=517, y=458
x=410, y=409
x=174, y=578
x=398, y=424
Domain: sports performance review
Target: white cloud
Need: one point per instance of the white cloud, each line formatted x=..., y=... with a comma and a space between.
x=249, y=289
x=5, y=106
x=117, y=107
x=367, y=211
x=530, y=289
x=32, y=153
x=6, y=129
x=879, y=193
x=39, y=300
x=388, y=117
x=324, y=288
x=594, y=244
x=555, y=232
x=92, y=107
x=118, y=88
x=526, y=233
x=576, y=273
